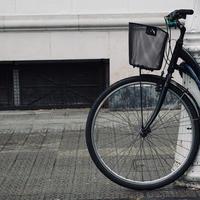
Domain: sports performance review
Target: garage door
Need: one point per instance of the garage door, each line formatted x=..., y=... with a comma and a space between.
x=58, y=84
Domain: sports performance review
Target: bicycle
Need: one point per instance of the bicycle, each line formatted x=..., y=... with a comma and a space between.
x=143, y=131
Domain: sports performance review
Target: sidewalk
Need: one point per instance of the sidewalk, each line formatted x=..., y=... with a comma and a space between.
x=44, y=157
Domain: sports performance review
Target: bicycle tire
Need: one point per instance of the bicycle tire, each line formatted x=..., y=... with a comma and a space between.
x=115, y=114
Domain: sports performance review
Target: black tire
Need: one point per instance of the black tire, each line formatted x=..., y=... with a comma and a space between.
x=148, y=162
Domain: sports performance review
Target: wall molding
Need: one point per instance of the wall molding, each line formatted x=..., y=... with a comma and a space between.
x=77, y=22
x=192, y=41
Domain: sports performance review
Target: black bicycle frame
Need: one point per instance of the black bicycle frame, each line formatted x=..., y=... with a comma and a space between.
x=189, y=66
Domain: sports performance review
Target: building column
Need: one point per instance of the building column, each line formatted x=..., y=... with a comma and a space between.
x=192, y=44
x=192, y=38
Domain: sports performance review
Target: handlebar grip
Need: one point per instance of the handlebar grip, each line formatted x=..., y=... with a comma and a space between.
x=180, y=14
x=187, y=11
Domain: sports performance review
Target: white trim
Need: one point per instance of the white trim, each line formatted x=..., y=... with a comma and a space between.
x=77, y=22
x=192, y=41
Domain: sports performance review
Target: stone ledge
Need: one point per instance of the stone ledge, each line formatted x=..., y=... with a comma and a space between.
x=78, y=22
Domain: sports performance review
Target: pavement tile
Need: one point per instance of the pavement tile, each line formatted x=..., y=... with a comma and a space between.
x=172, y=198
x=43, y=156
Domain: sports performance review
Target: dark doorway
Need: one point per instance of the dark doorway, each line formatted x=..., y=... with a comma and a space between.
x=56, y=84
x=6, y=89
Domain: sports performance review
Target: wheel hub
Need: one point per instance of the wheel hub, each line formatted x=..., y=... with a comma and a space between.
x=144, y=132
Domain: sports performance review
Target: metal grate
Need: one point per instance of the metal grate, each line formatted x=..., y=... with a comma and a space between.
x=16, y=88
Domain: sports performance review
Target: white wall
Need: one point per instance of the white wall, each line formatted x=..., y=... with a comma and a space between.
x=32, y=7
x=77, y=29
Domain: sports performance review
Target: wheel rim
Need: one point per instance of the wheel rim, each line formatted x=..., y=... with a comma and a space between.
x=122, y=151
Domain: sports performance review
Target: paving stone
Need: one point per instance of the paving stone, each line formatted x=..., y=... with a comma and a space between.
x=56, y=196
x=10, y=197
x=43, y=156
x=33, y=197
x=172, y=198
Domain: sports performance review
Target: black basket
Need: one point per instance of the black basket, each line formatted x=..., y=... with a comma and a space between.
x=146, y=46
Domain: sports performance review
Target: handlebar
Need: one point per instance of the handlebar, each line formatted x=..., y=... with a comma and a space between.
x=180, y=14
x=172, y=19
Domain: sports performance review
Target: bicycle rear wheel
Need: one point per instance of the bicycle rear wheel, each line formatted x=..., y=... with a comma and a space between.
x=117, y=147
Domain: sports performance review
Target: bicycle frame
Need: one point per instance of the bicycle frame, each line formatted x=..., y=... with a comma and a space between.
x=189, y=66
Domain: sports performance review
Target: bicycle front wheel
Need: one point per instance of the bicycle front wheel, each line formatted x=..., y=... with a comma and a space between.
x=122, y=153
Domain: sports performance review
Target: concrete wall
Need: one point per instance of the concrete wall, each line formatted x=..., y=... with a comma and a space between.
x=76, y=29
x=88, y=37
x=32, y=7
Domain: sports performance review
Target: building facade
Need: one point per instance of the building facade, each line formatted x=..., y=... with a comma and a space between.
x=63, y=53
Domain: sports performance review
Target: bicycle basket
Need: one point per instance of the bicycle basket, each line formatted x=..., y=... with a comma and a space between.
x=146, y=46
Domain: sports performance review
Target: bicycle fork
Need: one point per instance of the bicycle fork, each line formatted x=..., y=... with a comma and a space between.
x=146, y=129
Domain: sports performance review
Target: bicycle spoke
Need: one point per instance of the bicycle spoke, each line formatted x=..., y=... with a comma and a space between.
x=170, y=110
x=159, y=155
x=163, y=166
